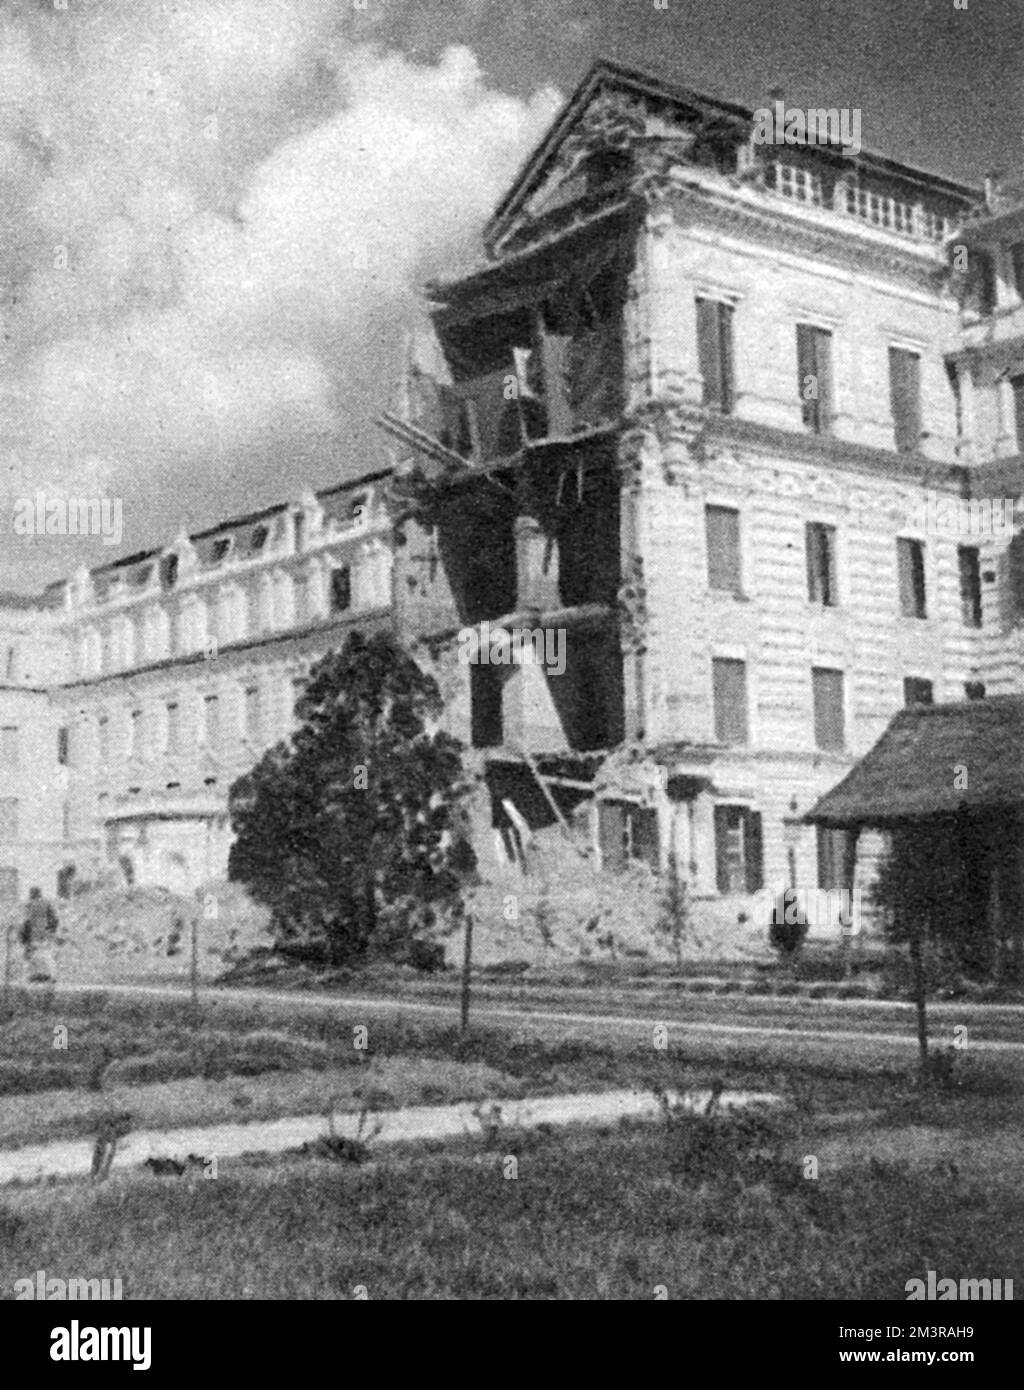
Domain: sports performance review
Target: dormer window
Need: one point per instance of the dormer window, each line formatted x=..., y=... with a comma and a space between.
x=169, y=571
x=258, y=539
x=803, y=185
x=221, y=549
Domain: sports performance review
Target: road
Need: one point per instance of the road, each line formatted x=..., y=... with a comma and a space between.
x=865, y=1029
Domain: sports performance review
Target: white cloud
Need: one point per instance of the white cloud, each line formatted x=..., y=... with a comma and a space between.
x=213, y=218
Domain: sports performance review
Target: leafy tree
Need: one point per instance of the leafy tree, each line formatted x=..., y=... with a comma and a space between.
x=354, y=833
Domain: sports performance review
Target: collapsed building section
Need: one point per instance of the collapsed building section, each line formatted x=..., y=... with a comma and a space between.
x=512, y=524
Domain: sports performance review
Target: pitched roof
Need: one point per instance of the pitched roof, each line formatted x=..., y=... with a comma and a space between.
x=911, y=773
x=605, y=75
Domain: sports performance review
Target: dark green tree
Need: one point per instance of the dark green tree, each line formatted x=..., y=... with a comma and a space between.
x=354, y=833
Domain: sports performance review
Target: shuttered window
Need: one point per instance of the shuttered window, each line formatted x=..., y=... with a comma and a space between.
x=814, y=376
x=829, y=721
x=738, y=849
x=821, y=564
x=905, y=398
x=722, y=531
x=910, y=559
x=715, y=354
x=970, y=585
x=837, y=854
x=730, y=696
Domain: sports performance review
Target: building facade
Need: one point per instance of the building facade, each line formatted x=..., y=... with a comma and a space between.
x=699, y=479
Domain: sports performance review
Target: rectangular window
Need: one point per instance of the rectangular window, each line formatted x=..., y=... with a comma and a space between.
x=738, y=852
x=627, y=832
x=814, y=376
x=910, y=561
x=104, y=741
x=253, y=721
x=837, y=852
x=917, y=690
x=715, y=352
x=974, y=690
x=8, y=818
x=341, y=589
x=905, y=398
x=9, y=748
x=62, y=746
x=970, y=585
x=821, y=563
x=829, y=718
x=173, y=728
x=722, y=531
x=211, y=721
x=729, y=680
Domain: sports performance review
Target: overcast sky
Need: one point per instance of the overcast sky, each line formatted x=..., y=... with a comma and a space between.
x=215, y=213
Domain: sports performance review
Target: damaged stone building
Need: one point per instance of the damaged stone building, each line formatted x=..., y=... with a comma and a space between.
x=700, y=477
x=702, y=419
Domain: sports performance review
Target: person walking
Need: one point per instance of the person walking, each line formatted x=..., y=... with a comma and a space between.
x=39, y=938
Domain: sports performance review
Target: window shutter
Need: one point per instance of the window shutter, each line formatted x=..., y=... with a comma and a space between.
x=721, y=848
x=905, y=398
x=725, y=357
x=1017, y=385
x=806, y=366
x=754, y=854
x=722, y=530
x=709, y=350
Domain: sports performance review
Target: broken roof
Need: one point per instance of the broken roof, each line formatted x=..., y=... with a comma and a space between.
x=605, y=75
x=913, y=770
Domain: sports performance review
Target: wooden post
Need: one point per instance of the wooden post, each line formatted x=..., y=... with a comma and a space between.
x=920, y=991
x=194, y=972
x=467, y=962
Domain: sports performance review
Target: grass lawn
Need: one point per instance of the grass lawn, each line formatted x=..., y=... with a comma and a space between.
x=590, y=1215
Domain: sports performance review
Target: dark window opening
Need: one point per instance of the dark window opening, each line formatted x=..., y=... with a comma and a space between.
x=1017, y=265
x=974, y=690
x=715, y=352
x=970, y=585
x=829, y=715
x=341, y=589
x=169, y=571
x=1017, y=387
x=910, y=561
x=729, y=679
x=905, y=398
x=258, y=539
x=627, y=833
x=814, y=376
x=485, y=692
x=722, y=531
x=917, y=691
x=63, y=746
x=837, y=857
x=738, y=849
x=1013, y=563
x=821, y=564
